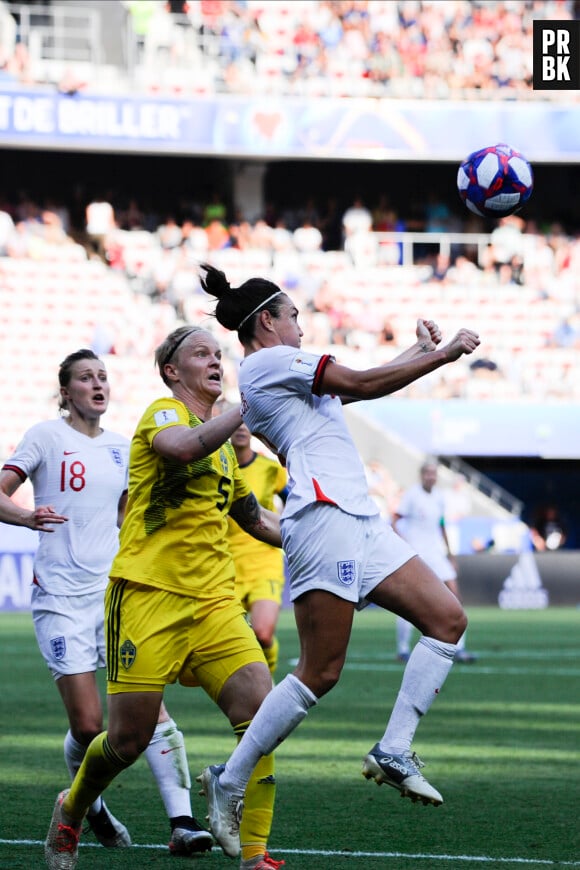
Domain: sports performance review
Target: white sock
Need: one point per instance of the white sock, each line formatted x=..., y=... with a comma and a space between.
x=280, y=712
x=74, y=752
x=404, y=630
x=167, y=759
x=425, y=673
x=461, y=643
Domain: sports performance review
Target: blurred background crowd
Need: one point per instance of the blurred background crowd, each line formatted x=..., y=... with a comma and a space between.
x=436, y=49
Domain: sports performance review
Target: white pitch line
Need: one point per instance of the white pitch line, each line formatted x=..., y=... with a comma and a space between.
x=477, y=669
x=508, y=655
x=482, y=859
x=327, y=853
x=556, y=671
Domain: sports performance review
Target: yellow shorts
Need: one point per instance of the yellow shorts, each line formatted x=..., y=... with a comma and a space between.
x=259, y=589
x=156, y=637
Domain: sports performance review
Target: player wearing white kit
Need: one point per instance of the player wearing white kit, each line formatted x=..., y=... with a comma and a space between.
x=420, y=520
x=79, y=476
x=313, y=442
x=340, y=554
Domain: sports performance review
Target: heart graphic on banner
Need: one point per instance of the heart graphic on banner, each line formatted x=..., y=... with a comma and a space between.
x=267, y=123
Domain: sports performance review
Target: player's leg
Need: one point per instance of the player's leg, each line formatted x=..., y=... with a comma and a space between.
x=414, y=592
x=461, y=654
x=323, y=646
x=153, y=620
x=69, y=631
x=264, y=610
x=158, y=624
x=324, y=622
x=83, y=704
x=258, y=815
x=132, y=718
x=236, y=677
x=167, y=759
x=446, y=570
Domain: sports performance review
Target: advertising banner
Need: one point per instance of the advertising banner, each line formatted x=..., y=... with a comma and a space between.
x=254, y=127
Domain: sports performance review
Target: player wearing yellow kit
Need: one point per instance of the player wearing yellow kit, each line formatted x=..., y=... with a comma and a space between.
x=174, y=539
x=171, y=608
x=259, y=567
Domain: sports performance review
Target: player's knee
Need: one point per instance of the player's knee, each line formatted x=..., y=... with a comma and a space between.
x=265, y=635
x=447, y=626
x=84, y=732
x=129, y=742
x=457, y=623
x=130, y=748
x=324, y=679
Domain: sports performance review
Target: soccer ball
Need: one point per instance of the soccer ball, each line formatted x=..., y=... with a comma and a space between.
x=495, y=181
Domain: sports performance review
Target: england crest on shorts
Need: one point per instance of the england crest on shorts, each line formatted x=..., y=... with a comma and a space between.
x=346, y=572
x=58, y=648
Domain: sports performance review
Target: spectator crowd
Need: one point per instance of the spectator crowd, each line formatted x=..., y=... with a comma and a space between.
x=520, y=288
x=435, y=49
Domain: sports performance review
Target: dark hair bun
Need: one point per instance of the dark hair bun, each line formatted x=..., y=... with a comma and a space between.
x=235, y=304
x=215, y=282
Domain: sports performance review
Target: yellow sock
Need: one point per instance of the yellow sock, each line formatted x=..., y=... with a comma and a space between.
x=98, y=769
x=259, y=800
x=271, y=655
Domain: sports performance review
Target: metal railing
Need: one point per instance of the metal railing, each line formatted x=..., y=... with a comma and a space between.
x=484, y=484
x=64, y=33
x=444, y=242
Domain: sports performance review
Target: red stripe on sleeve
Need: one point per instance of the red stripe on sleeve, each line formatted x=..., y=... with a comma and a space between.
x=16, y=470
x=317, y=382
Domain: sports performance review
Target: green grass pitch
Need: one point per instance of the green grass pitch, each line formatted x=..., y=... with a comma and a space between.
x=501, y=743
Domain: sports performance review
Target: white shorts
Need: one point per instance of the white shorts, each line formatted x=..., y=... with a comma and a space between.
x=70, y=631
x=340, y=553
x=440, y=565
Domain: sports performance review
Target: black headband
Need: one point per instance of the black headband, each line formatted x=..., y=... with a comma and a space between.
x=177, y=345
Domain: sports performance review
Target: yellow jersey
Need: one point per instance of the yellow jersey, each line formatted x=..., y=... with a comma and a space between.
x=253, y=559
x=174, y=535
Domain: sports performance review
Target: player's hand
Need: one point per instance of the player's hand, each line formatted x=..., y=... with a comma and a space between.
x=44, y=517
x=465, y=342
x=428, y=333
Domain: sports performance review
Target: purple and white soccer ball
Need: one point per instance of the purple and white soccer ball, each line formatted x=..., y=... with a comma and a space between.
x=495, y=181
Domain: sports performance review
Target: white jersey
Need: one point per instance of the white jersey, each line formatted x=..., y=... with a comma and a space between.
x=83, y=479
x=422, y=513
x=278, y=387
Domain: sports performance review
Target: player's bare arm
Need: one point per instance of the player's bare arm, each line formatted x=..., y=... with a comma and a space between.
x=382, y=380
x=428, y=337
x=41, y=519
x=257, y=520
x=186, y=445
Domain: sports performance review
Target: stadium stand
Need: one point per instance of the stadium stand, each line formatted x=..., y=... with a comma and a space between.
x=456, y=49
x=54, y=295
